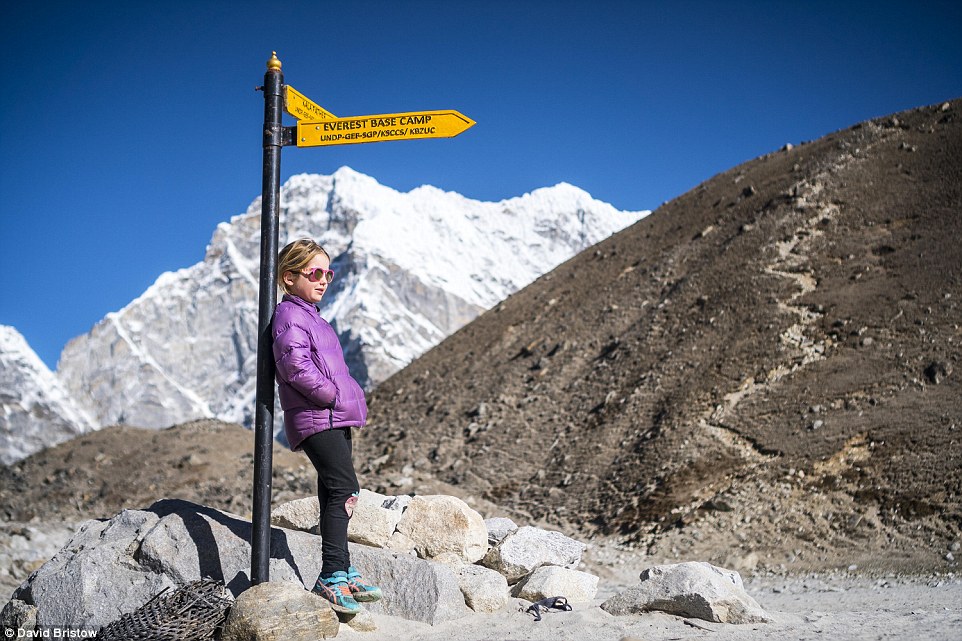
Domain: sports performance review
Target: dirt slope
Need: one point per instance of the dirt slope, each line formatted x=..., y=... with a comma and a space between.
x=101, y=473
x=765, y=370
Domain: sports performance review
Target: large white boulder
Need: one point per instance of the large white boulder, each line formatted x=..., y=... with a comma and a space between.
x=413, y=588
x=87, y=585
x=521, y=551
x=552, y=580
x=693, y=589
x=372, y=523
x=444, y=527
x=300, y=514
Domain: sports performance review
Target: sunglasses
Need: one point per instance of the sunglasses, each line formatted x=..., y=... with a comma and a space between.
x=319, y=274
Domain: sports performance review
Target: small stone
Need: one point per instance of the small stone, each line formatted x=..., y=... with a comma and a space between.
x=852, y=568
x=937, y=371
x=717, y=505
x=746, y=563
x=452, y=559
x=18, y=615
x=955, y=546
x=400, y=543
x=479, y=411
x=949, y=557
x=363, y=621
x=498, y=528
x=399, y=503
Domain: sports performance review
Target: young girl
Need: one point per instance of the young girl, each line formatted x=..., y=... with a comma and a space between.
x=321, y=403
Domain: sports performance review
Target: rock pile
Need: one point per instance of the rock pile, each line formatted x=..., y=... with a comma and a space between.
x=493, y=559
x=434, y=558
x=111, y=567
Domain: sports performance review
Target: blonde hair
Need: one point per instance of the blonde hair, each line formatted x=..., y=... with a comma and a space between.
x=295, y=257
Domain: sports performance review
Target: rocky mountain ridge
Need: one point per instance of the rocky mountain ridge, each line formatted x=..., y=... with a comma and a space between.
x=36, y=411
x=411, y=268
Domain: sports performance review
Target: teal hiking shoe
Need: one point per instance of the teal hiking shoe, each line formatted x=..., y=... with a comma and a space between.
x=359, y=590
x=337, y=592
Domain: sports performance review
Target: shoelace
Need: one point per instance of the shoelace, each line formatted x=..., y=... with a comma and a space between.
x=339, y=586
x=354, y=580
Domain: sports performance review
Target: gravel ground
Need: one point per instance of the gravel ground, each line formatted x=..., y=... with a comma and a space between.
x=820, y=606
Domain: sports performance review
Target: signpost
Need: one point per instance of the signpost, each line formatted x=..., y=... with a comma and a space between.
x=381, y=128
x=316, y=127
x=302, y=107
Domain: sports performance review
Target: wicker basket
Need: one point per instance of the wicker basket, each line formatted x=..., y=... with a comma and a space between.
x=191, y=612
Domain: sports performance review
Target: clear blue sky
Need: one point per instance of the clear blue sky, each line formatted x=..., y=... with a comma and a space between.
x=130, y=129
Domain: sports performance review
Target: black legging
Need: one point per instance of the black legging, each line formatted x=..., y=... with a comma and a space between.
x=337, y=488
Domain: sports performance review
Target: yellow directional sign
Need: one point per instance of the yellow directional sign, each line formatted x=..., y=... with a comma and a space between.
x=302, y=107
x=381, y=128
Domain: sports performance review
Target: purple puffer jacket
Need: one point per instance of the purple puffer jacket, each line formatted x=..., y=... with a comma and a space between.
x=316, y=389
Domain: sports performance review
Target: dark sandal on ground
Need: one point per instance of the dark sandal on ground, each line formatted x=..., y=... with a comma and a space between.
x=552, y=602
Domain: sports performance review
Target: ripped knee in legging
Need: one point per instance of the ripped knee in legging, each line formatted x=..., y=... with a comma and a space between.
x=349, y=504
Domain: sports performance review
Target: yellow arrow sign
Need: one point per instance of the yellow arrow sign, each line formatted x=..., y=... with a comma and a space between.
x=382, y=128
x=302, y=107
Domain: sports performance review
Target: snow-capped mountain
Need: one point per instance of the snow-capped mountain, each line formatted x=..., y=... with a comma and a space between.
x=411, y=268
x=35, y=409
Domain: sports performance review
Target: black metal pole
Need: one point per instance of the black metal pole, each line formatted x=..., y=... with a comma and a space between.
x=264, y=405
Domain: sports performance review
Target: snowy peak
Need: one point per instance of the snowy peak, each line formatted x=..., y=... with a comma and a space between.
x=412, y=267
x=35, y=409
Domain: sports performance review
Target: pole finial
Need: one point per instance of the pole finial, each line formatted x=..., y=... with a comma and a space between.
x=274, y=64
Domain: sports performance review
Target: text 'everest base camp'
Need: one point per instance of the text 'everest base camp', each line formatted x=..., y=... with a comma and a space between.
x=736, y=417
